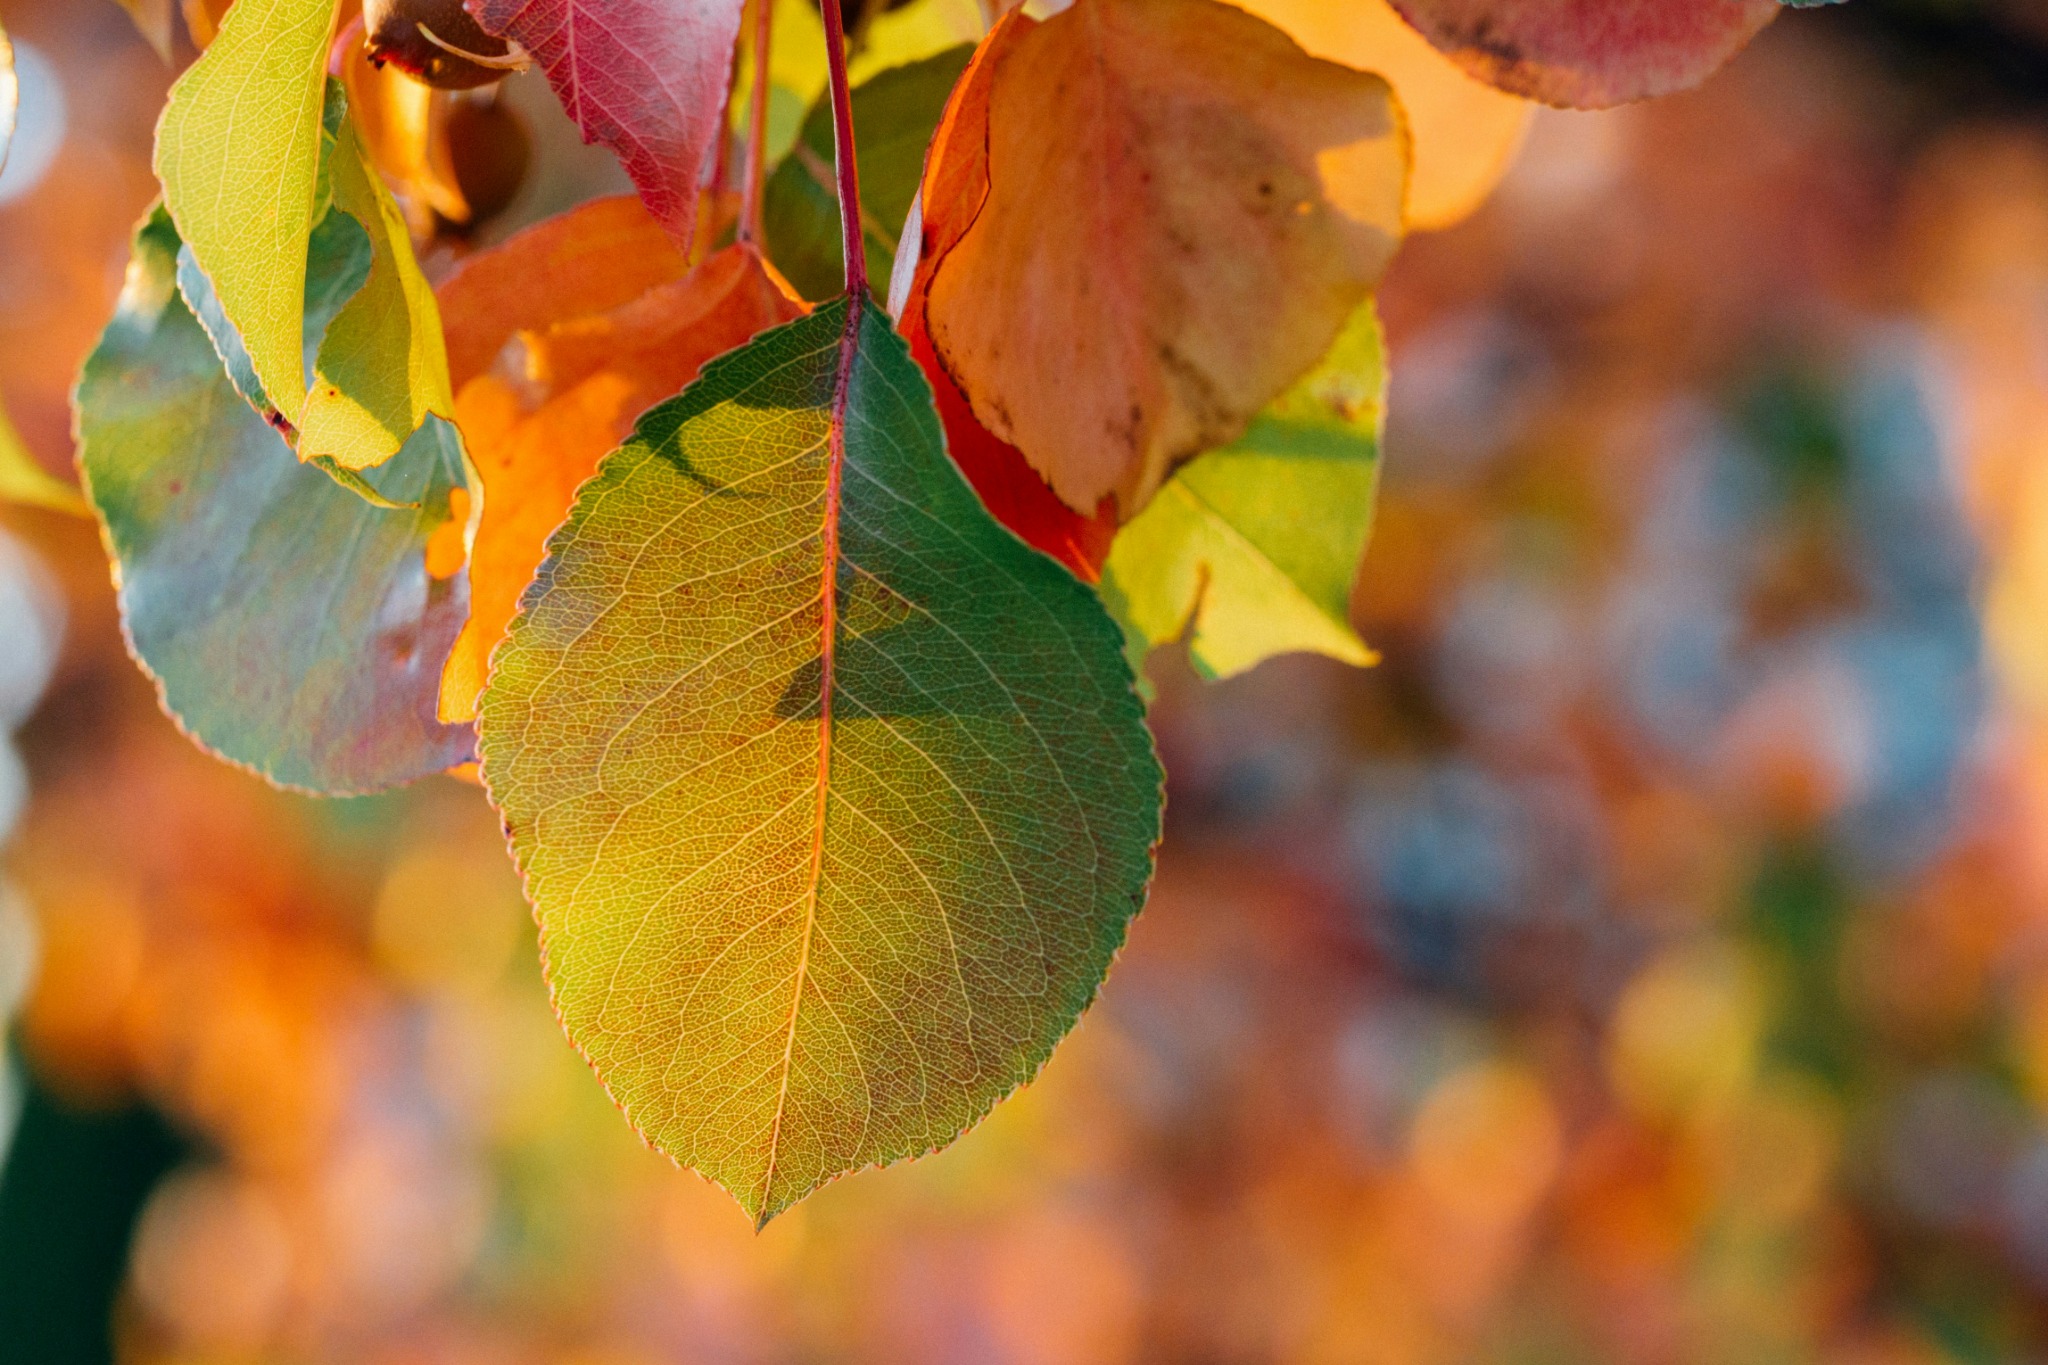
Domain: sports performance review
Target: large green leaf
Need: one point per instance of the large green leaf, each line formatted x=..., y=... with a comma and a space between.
x=291, y=626
x=1256, y=544
x=238, y=151
x=895, y=111
x=821, y=877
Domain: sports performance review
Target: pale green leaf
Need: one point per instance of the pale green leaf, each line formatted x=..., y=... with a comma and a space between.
x=1256, y=545
x=291, y=626
x=238, y=152
x=383, y=366
x=821, y=876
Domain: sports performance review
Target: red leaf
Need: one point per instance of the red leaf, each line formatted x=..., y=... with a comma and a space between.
x=646, y=78
x=1589, y=54
x=954, y=187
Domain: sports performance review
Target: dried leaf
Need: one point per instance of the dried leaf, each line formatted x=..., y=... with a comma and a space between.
x=565, y=395
x=646, y=78
x=1225, y=202
x=1589, y=54
x=833, y=799
x=1465, y=133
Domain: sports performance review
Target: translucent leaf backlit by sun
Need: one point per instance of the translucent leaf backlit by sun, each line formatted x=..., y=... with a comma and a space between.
x=238, y=152
x=1183, y=210
x=646, y=78
x=1465, y=132
x=833, y=798
x=1588, y=54
x=382, y=367
x=1251, y=550
x=291, y=626
x=566, y=392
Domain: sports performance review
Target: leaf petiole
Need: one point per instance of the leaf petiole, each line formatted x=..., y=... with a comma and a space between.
x=842, y=148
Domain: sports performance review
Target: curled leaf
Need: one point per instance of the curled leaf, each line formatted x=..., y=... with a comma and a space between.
x=1589, y=54
x=646, y=78
x=382, y=367
x=238, y=152
x=1224, y=203
x=290, y=625
x=833, y=799
x=1465, y=133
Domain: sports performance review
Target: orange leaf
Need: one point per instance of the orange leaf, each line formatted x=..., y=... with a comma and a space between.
x=956, y=183
x=1589, y=54
x=1183, y=211
x=563, y=394
x=589, y=260
x=1465, y=133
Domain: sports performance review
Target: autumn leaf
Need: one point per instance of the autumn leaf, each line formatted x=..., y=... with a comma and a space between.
x=1251, y=550
x=1589, y=54
x=290, y=625
x=566, y=394
x=955, y=184
x=203, y=18
x=833, y=799
x=1224, y=202
x=896, y=111
x=1465, y=133
x=646, y=78
x=238, y=152
x=382, y=367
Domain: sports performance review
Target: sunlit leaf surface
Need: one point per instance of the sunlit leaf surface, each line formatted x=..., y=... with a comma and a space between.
x=1254, y=546
x=1183, y=210
x=833, y=798
x=291, y=626
x=238, y=152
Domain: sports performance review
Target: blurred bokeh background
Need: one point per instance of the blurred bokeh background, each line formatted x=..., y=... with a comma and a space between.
x=1647, y=962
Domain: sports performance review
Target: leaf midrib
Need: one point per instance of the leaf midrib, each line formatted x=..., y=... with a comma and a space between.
x=828, y=628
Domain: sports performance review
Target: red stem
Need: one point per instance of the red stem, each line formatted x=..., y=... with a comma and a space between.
x=854, y=245
x=757, y=124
